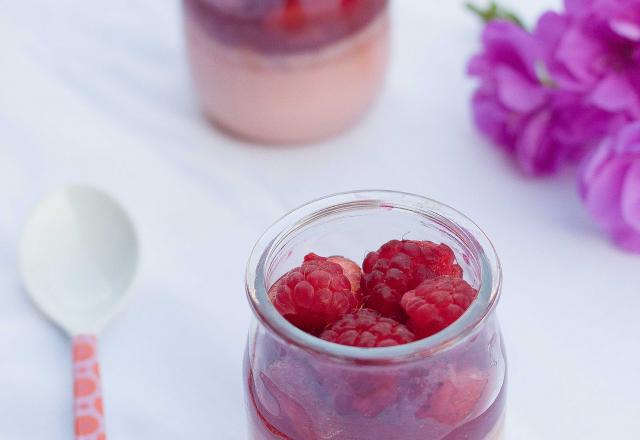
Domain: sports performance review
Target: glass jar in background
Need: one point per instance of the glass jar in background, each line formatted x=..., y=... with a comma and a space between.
x=451, y=385
x=282, y=71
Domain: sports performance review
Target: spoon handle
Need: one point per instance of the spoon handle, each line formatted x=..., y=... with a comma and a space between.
x=87, y=390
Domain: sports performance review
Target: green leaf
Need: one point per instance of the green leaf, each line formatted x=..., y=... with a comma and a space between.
x=494, y=12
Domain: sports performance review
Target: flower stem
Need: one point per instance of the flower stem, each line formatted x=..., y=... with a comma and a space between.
x=494, y=12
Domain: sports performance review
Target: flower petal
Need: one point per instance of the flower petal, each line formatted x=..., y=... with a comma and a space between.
x=506, y=43
x=517, y=93
x=615, y=93
x=628, y=139
x=577, y=53
x=533, y=148
x=631, y=197
x=479, y=66
x=603, y=195
x=626, y=29
x=628, y=239
x=592, y=164
x=491, y=119
x=549, y=31
x=576, y=6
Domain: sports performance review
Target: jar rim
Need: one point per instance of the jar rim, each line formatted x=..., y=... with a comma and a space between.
x=488, y=292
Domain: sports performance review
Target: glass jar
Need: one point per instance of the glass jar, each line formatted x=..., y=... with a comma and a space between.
x=451, y=385
x=281, y=71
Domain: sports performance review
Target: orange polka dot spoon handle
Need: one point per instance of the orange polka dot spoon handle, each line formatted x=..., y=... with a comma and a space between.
x=87, y=391
x=78, y=257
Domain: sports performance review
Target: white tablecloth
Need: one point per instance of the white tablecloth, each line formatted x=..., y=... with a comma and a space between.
x=98, y=92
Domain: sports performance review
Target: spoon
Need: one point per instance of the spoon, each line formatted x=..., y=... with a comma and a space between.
x=78, y=257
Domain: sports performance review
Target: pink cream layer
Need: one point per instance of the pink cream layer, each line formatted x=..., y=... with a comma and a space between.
x=288, y=97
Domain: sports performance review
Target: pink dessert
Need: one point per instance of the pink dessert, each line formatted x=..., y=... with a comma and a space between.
x=286, y=70
x=404, y=346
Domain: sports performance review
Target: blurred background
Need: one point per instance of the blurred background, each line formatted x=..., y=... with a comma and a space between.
x=102, y=94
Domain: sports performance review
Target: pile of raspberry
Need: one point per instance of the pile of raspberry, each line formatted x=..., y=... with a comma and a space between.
x=405, y=291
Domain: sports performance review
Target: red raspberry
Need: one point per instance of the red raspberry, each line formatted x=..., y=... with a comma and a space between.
x=286, y=397
x=351, y=270
x=314, y=295
x=293, y=15
x=399, y=266
x=437, y=303
x=455, y=398
x=366, y=328
x=349, y=4
x=354, y=391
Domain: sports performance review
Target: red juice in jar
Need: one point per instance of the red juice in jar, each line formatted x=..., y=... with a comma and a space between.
x=286, y=70
x=448, y=386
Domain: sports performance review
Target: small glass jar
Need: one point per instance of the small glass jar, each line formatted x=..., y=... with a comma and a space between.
x=451, y=385
x=282, y=71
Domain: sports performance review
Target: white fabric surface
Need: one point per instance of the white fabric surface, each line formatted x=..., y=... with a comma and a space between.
x=98, y=92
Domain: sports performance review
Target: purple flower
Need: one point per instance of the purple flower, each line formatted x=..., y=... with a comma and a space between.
x=550, y=96
x=570, y=90
x=598, y=54
x=610, y=186
x=510, y=104
x=519, y=106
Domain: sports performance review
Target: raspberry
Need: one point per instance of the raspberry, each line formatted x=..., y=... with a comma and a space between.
x=367, y=328
x=349, y=4
x=286, y=396
x=367, y=393
x=351, y=270
x=437, y=303
x=293, y=15
x=399, y=266
x=314, y=295
x=455, y=398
